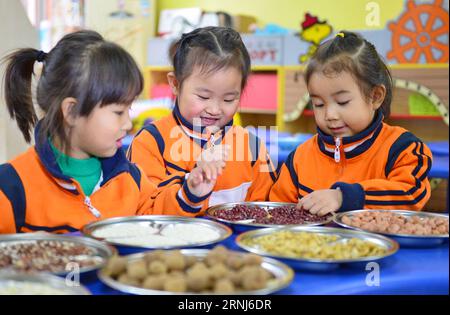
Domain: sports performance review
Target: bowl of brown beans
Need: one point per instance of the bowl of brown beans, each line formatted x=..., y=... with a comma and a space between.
x=243, y=216
x=408, y=228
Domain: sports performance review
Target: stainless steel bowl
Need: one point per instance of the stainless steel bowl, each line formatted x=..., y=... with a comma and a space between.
x=246, y=225
x=282, y=273
x=407, y=240
x=389, y=245
x=102, y=252
x=14, y=283
x=158, y=222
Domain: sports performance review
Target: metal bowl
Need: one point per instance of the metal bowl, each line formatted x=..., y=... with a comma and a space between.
x=157, y=222
x=247, y=225
x=389, y=245
x=14, y=283
x=102, y=252
x=407, y=240
x=283, y=276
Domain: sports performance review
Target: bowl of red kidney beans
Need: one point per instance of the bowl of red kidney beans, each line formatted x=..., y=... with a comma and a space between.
x=249, y=215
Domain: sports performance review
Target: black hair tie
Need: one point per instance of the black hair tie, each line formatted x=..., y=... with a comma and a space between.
x=40, y=56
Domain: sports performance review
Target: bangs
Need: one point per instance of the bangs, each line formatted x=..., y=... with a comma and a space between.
x=209, y=63
x=112, y=77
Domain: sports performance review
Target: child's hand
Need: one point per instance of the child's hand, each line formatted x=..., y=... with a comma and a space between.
x=202, y=178
x=321, y=202
x=215, y=153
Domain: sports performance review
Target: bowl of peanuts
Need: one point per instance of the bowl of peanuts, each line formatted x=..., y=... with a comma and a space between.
x=408, y=228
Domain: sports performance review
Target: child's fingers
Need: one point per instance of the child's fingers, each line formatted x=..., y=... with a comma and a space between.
x=213, y=169
x=321, y=208
x=315, y=208
x=196, y=177
x=324, y=211
x=226, y=151
x=307, y=203
x=206, y=172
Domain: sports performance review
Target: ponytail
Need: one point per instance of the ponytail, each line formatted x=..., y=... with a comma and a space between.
x=18, y=93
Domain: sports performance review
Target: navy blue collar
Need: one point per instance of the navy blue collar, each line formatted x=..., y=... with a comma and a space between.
x=374, y=129
x=111, y=167
x=377, y=121
x=181, y=121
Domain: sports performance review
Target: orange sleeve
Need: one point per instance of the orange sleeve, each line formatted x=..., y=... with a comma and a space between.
x=7, y=222
x=264, y=176
x=285, y=188
x=145, y=150
x=406, y=185
x=172, y=199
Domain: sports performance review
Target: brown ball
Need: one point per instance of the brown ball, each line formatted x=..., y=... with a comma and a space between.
x=190, y=261
x=224, y=286
x=254, y=279
x=252, y=259
x=154, y=282
x=219, y=271
x=157, y=267
x=235, y=278
x=175, y=284
x=198, y=280
x=116, y=265
x=217, y=255
x=175, y=260
x=125, y=279
x=137, y=269
x=235, y=262
x=154, y=255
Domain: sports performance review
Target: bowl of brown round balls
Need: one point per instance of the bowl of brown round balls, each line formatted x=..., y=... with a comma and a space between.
x=195, y=271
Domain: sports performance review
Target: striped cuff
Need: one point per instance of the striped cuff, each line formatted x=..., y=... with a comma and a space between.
x=353, y=196
x=188, y=201
x=189, y=196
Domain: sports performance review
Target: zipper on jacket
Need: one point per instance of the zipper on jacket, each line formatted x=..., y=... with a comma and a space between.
x=337, y=150
x=212, y=140
x=92, y=209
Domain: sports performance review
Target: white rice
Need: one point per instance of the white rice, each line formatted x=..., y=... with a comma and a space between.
x=29, y=288
x=136, y=234
x=124, y=230
x=191, y=233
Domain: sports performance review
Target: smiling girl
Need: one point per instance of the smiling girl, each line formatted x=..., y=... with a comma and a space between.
x=211, y=67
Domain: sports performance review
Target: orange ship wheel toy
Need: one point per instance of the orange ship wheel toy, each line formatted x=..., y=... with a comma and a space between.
x=423, y=38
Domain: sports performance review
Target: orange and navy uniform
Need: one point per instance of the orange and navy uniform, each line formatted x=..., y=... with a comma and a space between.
x=168, y=148
x=383, y=167
x=36, y=196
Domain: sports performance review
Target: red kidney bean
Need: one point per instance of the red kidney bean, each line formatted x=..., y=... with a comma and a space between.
x=278, y=215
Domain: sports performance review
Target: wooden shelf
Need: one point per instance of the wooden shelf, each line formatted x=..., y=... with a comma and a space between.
x=257, y=111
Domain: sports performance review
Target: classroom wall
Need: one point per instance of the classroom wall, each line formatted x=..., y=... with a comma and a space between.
x=16, y=31
x=131, y=32
x=290, y=14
